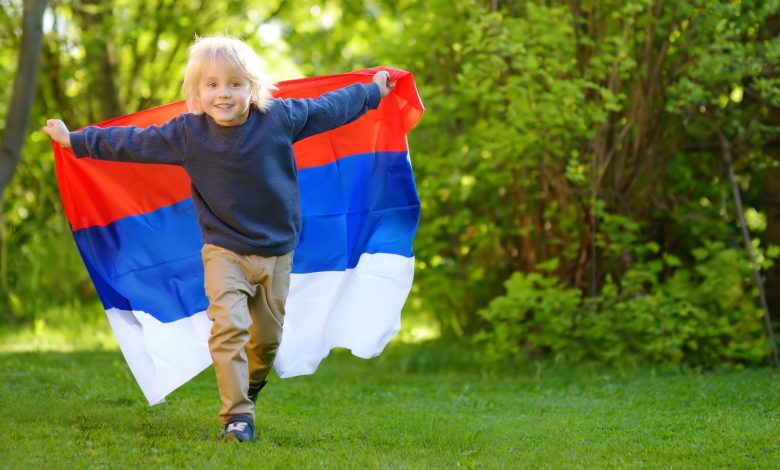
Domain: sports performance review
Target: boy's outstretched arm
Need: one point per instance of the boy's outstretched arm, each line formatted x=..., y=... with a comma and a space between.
x=58, y=132
x=153, y=144
x=312, y=116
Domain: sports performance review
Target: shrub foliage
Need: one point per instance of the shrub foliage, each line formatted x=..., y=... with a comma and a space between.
x=575, y=196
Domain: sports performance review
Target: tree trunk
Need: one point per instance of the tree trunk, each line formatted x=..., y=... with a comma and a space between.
x=772, y=235
x=24, y=91
x=19, y=110
x=772, y=185
x=772, y=204
x=95, y=16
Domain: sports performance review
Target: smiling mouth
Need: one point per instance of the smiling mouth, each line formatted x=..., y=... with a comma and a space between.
x=223, y=106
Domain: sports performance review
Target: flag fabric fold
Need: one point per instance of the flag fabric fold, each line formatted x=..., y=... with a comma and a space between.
x=136, y=229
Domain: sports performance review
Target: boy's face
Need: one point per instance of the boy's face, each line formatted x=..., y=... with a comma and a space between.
x=223, y=94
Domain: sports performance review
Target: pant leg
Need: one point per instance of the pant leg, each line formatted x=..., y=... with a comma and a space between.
x=228, y=290
x=267, y=310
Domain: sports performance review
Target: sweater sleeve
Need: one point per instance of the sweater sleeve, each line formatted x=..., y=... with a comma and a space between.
x=331, y=110
x=153, y=144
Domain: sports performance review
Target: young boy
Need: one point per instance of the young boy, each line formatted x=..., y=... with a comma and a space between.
x=236, y=147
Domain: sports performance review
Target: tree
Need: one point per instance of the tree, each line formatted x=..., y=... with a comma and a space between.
x=20, y=108
x=24, y=90
x=772, y=184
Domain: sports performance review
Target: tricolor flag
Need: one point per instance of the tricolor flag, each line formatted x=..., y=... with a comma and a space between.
x=136, y=229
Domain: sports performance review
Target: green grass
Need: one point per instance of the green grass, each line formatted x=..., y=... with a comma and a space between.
x=413, y=407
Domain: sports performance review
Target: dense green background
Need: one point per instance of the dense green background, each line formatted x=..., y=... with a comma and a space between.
x=576, y=202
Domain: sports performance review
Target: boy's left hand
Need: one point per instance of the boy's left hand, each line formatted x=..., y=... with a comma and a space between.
x=381, y=78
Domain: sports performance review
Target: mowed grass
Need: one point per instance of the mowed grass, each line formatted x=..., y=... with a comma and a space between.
x=413, y=407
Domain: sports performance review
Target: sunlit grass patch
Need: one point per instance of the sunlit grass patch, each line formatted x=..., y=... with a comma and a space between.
x=418, y=328
x=85, y=327
x=62, y=328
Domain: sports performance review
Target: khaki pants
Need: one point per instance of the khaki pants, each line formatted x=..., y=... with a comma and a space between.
x=246, y=303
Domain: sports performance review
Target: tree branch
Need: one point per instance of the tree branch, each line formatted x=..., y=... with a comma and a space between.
x=725, y=146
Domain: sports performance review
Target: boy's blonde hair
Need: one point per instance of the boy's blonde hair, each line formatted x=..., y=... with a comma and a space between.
x=238, y=55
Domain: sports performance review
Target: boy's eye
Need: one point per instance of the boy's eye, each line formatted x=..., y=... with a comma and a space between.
x=236, y=84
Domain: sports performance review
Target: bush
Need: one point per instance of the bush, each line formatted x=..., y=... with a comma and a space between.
x=660, y=311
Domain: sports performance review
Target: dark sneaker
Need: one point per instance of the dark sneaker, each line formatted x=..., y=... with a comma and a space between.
x=254, y=390
x=239, y=429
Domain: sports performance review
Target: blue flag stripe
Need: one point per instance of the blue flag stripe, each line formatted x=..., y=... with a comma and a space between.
x=364, y=203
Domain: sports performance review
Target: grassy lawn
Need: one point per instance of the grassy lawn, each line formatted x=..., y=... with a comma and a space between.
x=413, y=407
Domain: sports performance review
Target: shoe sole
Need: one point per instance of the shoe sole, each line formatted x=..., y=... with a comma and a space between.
x=233, y=438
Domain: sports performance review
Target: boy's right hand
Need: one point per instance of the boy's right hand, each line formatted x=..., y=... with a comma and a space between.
x=58, y=132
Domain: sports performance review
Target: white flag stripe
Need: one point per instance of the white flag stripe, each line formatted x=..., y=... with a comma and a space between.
x=161, y=356
x=358, y=309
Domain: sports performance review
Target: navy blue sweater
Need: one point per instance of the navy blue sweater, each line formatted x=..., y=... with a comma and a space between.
x=244, y=178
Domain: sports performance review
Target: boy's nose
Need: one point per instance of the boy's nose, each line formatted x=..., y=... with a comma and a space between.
x=225, y=92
